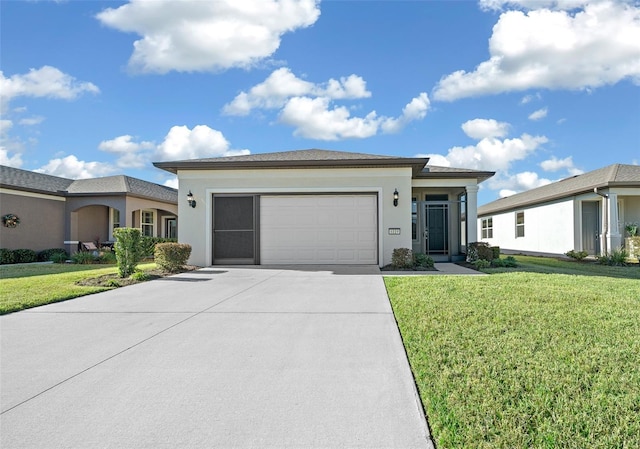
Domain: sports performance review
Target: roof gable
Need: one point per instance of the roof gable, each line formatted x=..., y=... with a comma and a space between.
x=32, y=181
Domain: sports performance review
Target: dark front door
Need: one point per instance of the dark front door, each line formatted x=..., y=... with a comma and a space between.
x=234, y=229
x=436, y=228
x=591, y=227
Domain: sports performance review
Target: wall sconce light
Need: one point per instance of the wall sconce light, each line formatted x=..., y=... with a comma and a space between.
x=190, y=199
x=395, y=198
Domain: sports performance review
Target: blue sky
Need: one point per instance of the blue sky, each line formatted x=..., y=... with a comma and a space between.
x=534, y=90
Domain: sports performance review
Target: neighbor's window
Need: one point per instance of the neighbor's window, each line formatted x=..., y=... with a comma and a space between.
x=147, y=222
x=487, y=228
x=519, y=224
x=115, y=218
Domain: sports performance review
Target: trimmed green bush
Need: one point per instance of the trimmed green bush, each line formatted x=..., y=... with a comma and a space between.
x=148, y=245
x=402, y=258
x=617, y=258
x=482, y=263
x=140, y=276
x=577, y=255
x=422, y=261
x=59, y=257
x=48, y=254
x=496, y=252
x=6, y=256
x=25, y=256
x=171, y=257
x=510, y=262
x=128, y=250
x=480, y=251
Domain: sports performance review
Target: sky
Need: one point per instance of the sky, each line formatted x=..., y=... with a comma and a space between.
x=536, y=91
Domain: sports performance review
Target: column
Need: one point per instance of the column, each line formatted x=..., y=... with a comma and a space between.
x=614, y=239
x=472, y=214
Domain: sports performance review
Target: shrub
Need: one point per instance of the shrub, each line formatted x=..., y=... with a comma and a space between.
x=402, y=258
x=577, y=255
x=496, y=252
x=616, y=258
x=148, y=245
x=171, y=257
x=59, y=257
x=497, y=263
x=24, y=256
x=127, y=248
x=481, y=263
x=112, y=283
x=107, y=257
x=510, y=262
x=48, y=254
x=6, y=256
x=140, y=276
x=422, y=261
x=479, y=251
x=83, y=258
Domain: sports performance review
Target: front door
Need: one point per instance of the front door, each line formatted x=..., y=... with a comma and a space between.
x=591, y=227
x=436, y=233
x=234, y=229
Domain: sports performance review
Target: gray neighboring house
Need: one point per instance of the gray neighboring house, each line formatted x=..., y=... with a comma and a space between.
x=586, y=212
x=58, y=212
x=323, y=207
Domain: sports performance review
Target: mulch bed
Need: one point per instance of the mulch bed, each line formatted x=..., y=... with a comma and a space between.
x=114, y=280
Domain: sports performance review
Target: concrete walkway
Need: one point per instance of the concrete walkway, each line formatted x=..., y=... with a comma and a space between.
x=221, y=357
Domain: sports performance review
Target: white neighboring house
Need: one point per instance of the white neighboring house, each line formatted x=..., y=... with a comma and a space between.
x=323, y=207
x=586, y=212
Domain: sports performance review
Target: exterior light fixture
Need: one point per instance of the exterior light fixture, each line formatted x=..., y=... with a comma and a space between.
x=395, y=198
x=190, y=199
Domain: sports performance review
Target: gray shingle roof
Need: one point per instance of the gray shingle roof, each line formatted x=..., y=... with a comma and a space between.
x=313, y=158
x=609, y=176
x=32, y=181
x=120, y=184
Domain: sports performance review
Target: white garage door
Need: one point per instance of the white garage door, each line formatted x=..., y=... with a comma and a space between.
x=318, y=229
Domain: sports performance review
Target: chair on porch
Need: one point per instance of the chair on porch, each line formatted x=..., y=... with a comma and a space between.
x=88, y=246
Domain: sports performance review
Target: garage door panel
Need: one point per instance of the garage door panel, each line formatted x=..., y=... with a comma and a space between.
x=309, y=229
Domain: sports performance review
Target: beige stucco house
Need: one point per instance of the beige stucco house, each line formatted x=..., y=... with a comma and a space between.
x=58, y=212
x=323, y=207
x=586, y=212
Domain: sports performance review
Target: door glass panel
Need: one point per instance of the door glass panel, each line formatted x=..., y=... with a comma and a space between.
x=233, y=213
x=437, y=228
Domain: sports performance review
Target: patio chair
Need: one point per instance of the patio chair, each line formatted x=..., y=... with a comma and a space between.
x=88, y=246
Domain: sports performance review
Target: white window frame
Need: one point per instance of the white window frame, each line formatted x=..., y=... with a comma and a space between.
x=113, y=223
x=520, y=226
x=144, y=224
x=487, y=228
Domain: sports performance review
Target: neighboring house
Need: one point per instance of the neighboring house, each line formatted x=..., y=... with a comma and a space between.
x=57, y=212
x=323, y=207
x=586, y=212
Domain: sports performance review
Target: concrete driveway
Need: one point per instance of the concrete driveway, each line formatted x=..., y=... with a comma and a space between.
x=217, y=358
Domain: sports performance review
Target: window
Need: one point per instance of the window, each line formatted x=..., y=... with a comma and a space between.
x=519, y=224
x=171, y=228
x=147, y=223
x=414, y=219
x=487, y=228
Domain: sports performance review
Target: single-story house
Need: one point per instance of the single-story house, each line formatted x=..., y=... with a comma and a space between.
x=586, y=212
x=323, y=207
x=55, y=212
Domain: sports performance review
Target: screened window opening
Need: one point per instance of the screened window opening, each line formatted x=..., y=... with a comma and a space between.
x=487, y=228
x=519, y=224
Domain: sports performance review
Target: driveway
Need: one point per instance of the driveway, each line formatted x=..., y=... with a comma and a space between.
x=218, y=358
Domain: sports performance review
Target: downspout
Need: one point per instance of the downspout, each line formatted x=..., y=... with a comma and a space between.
x=605, y=219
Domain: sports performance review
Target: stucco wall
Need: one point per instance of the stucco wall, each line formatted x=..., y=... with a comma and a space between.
x=549, y=228
x=41, y=221
x=195, y=224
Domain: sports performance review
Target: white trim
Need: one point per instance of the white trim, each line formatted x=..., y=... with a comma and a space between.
x=71, y=242
x=32, y=195
x=300, y=190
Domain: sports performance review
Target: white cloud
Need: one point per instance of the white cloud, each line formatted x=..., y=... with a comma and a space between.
x=497, y=5
x=11, y=160
x=314, y=118
x=183, y=143
x=282, y=84
x=195, y=35
x=539, y=114
x=172, y=182
x=435, y=159
x=529, y=98
x=554, y=49
x=73, y=168
x=5, y=126
x=47, y=82
x=30, y=121
x=481, y=128
x=520, y=182
x=554, y=164
x=124, y=144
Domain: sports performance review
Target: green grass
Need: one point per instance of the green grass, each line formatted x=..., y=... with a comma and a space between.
x=25, y=286
x=544, y=357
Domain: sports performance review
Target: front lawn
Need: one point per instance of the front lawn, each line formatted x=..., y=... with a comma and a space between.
x=25, y=286
x=533, y=357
